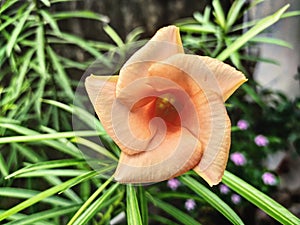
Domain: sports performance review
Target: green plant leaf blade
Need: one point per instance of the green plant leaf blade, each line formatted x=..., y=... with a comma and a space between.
x=133, y=210
x=260, y=26
x=173, y=211
x=261, y=200
x=212, y=199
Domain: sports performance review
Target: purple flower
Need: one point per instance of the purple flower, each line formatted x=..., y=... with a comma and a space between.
x=243, y=124
x=190, y=204
x=173, y=183
x=224, y=189
x=261, y=140
x=238, y=159
x=235, y=198
x=269, y=178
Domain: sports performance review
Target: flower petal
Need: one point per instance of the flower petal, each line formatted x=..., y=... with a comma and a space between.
x=165, y=43
x=101, y=91
x=206, y=94
x=229, y=79
x=179, y=152
x=213, y=173
x=139, y=128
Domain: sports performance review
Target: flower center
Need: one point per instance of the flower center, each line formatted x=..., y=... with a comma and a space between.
x=165, y=109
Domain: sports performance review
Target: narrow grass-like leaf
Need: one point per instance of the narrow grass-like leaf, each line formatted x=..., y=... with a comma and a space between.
x=20, y=216
x=46, y=2
x=44, y=215
x=82, y=114
x=95, y=207
x=6, y=5
x=290, y=14
x=61, y=78
x=42, y=137
x=80, y=14
x=49, y=19
x=88, y=202
x=48, y=165
x=16, y=32
x=23, y=71
x=212, y=199
x=251, y=92
x=49, y=192
x=259, y=27
x=57, y=172
x=270, y=40
x=163, y=220
x=27, y=194
x=84, y=44
x=173, y=211
x=113, y=35
x=261, y=200
x=3, y=166
x=132, y=208
x=198, y=28
x=143, y=202
x=134, y=35
x=233, y=13
x=9, y=21
x=97, y=148
x=40, y=44
x=219, y=13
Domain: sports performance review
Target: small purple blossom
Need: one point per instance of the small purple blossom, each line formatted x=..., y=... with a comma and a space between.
x=261, y=140
x=269, y=178
x=190, y=204
x=235, y=198
x=243, y=124
x=173, y=183
x=224, y=189
x=238, y=159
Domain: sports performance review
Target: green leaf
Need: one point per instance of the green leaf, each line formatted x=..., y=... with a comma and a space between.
x=40, y=43
x=46, y=3
x=80, y=14
x=43, y=137
x=6, y=5
x=173, y=211
x=251, y=92
x=134, y=35
x=198, y=28
x=132, y=208
x=48, y=165
x=26, y=194
x=16, y=32
x=82, y=43
x=113, y=35
x=89, y=201
x=233, y=13
x=50, y=20
x=290, y=14
x=45, y=194
x=97, y=148
x=3, y=167
x=261, y=200
x=270, y=40
x=95, y=207
x=260, y=26
x=44, y=215
x=212, y=199
x=143, y=204
x=61, y=78
x=219, y=13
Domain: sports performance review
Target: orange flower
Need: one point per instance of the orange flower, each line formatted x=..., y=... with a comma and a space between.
x=166, y=111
